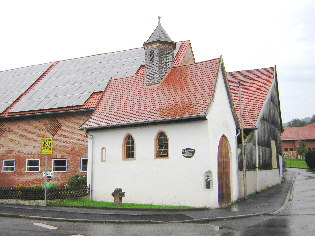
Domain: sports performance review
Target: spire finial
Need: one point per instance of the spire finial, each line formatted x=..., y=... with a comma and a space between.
x=159, y=19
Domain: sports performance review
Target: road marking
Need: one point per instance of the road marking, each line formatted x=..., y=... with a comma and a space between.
x=45, y=226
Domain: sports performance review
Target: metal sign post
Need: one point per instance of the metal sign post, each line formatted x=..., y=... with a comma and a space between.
x=45, y=204
x=46, y=149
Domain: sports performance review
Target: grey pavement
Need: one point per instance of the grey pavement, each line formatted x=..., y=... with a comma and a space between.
x=272, y=201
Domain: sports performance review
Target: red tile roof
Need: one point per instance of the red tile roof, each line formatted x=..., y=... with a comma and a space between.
x=255, y=86
x=185, y=92
x=299, y=133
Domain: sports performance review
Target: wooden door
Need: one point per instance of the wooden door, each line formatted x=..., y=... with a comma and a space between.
x=224, y=172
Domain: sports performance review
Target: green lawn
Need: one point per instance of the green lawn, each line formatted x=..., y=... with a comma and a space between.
x=89, y=203
x=295, y=163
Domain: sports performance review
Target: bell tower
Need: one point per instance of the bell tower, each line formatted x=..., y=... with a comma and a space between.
x=159, y=55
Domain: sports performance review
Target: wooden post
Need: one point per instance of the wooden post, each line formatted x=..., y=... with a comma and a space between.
x=242, y=136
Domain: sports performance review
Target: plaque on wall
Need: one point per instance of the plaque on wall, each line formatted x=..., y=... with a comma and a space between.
x=188, y=152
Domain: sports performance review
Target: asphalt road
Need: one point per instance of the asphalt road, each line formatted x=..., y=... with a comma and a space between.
x=298, y=219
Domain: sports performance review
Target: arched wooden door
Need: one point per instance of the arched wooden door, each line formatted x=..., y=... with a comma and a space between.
x=224, y=184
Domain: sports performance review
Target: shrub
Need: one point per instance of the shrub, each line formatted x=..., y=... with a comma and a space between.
x=77, y=180
x=310, y=159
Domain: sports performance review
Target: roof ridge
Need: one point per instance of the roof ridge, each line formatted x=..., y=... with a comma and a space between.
x=251, y=69
x=23, y=67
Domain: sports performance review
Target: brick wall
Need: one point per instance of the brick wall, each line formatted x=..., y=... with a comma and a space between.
x=289, y=148
x=21, y=139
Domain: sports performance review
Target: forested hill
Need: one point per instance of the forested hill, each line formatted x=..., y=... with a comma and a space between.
x=300, y=122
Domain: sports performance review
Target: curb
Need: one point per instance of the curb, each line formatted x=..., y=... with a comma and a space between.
x=288, y=199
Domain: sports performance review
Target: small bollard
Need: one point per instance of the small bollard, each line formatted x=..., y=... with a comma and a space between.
x=118, y=194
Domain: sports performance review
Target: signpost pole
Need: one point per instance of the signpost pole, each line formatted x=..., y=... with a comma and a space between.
x=45, y=204
x=46, y=149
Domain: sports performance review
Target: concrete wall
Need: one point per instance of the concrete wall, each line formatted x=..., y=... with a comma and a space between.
x=257, y=181
x=173, y=181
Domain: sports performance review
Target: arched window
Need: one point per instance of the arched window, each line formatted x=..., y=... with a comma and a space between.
x=129, y=147
x=161, y=145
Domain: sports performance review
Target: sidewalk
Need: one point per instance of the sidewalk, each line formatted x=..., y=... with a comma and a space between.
x=269, y=202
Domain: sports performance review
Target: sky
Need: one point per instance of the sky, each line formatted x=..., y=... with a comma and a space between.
x=248, y=34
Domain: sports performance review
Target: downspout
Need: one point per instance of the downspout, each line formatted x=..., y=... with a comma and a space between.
x=257, y=162
x=90, y=163
x=238, y=132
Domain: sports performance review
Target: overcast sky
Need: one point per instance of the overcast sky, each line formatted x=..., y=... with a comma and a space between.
x=248, y=34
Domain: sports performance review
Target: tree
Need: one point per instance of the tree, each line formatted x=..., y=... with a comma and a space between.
x=310, y=159
x=312, y=119
x=301, y=149
x=297, y=123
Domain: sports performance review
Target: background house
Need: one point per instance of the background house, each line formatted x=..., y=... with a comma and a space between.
x=52, y=100
x=291, y=137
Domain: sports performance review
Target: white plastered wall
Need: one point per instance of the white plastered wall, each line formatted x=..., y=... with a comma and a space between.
x=266, y=178
x=174, y=181
x=221, y=122
x=146, y=180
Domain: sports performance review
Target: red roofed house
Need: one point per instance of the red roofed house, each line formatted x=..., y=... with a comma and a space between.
x=291, y=137
x=169, y=134
x=52, y=100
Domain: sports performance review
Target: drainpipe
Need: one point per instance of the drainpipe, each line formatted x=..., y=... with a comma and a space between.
x=90, y=163
x=257, y=162
x=238, y=132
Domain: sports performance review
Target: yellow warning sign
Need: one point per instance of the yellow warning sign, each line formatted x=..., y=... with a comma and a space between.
x=46, y=146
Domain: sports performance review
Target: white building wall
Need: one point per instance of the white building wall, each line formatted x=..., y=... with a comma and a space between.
x=174, y=181
x=221, y=122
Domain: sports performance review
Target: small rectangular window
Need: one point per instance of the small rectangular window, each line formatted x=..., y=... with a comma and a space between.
x=60, y=165
x=286, y=149
x=8, y=165
x=291, y=149
x=84, y=163
x=32, y=165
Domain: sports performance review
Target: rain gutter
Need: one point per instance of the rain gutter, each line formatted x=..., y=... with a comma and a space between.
x=148, y=122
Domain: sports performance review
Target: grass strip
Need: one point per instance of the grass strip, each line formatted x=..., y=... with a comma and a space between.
x=89, y=203
x=295, y=163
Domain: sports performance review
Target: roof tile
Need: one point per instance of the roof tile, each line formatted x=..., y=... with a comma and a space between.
x=299, y=133
x=255, y=86
x=185, y=92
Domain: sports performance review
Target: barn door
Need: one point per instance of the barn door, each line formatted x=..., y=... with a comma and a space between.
x=224, y=172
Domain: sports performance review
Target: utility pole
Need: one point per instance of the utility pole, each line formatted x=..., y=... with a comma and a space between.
x=242, y=137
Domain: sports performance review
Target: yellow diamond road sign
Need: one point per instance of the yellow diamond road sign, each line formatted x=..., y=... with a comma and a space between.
x=46, y=146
